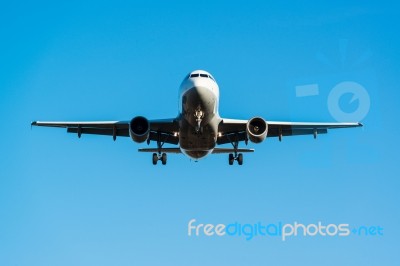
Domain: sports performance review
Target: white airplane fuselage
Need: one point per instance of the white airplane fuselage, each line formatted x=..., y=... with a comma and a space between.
x=198, y=114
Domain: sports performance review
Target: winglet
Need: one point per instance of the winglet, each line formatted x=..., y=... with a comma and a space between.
x=360, y=124
x=33, y=123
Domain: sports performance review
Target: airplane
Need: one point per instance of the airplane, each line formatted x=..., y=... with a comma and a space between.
x=198, y=129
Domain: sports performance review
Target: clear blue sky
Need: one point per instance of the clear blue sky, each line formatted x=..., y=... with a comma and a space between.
x=92, y=201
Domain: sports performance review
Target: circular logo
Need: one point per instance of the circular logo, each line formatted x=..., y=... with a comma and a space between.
x=359, y=93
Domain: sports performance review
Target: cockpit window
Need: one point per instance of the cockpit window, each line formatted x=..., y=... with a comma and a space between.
x=203, y=75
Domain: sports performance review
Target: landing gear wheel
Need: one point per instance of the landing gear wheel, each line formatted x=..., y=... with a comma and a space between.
x=231, y=159
x=155, y=158
x=240, y=159
x=164, y=158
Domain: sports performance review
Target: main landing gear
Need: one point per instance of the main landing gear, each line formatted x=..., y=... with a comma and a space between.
x=160, y=157
x=235, y=156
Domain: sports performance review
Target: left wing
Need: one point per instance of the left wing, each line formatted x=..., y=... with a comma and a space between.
x=235, y=130
x=162, y=130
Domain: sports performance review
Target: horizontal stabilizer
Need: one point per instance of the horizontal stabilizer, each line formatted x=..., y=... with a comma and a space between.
x=177, y=150
x=166, y=150
x=223, y=150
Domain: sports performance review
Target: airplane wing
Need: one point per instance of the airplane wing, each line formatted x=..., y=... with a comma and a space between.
x=163, y=130
x=235, y=130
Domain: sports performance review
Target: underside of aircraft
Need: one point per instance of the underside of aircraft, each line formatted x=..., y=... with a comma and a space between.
x=198, y=129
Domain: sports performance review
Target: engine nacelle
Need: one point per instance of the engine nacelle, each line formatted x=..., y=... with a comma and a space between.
x=257, y=129
x=139, y=129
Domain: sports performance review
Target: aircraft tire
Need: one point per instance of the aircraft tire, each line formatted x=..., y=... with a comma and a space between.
x=155, y=158
x=164, y=158
x=231, y=159
x=240, y=159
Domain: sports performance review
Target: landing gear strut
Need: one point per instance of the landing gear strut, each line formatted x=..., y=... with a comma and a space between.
x=159, y=156
x=235, y=156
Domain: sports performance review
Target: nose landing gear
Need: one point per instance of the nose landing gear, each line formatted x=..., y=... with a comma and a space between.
x=199, y=114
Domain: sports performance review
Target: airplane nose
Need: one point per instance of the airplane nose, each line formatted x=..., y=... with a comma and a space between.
x=200, y=87
x=194, y=82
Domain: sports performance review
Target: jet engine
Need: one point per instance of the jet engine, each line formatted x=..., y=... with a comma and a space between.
x=257, y=129
x=139, y=129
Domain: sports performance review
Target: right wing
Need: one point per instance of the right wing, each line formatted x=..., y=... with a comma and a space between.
x=110, y=128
